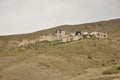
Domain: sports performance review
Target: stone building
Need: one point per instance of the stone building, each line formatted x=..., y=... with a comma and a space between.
x=60, y=34
x=63, y=37
x=85, y=35
x=77, y=35
x=99, y=35
x=66, y=38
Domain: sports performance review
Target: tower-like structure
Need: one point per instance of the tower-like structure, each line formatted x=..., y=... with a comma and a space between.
x=60, y=34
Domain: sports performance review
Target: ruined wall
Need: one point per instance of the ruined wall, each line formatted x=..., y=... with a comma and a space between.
x=23, y=42
x=60, y=34
x=49, y=37
x=100, y=35
x=63, y=37
x=12, y=44
x=76, y=38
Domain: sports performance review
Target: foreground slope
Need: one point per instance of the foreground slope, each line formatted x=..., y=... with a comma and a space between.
x=79, y=60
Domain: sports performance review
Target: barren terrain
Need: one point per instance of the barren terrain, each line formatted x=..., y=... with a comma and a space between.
x=85, y=59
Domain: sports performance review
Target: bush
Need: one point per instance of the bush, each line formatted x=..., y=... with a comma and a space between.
x=89, y=57
x=19, y=49
x=113, y=70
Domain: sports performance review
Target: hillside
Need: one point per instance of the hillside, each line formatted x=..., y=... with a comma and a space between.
x=110, y=26
x=61, y=61
x=85, y=59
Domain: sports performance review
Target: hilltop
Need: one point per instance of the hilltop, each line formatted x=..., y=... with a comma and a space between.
x=85, y=59
x=110, y=26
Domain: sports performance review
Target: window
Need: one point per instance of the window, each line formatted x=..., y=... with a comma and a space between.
x=105, y=36
x=98, y=34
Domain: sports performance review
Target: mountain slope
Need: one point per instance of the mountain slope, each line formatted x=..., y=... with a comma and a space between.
x=85, y=59
x=62, y=61
x=110, y=26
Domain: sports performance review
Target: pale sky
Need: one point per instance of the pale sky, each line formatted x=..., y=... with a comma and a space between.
x=24, y=16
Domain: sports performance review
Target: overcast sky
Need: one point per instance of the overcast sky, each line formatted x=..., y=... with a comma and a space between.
x=23, y=16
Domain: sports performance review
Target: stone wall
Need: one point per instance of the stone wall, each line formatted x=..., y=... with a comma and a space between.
x=49, y=37
x=99, y=35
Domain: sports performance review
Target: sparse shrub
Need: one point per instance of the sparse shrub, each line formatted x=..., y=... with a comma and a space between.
x=113, y=60
x=16, y=49
x=103, y=64
x=99, y=24
x=19, y=49
x=39, y=45
x=82, y=47
x=89, y=57
x=110, y=71
x=94, y=45
x=118, y=40
x=113, y=70
x=118, y=68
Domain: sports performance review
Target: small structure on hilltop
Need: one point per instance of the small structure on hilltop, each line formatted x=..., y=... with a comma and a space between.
x=98, y=35
x=77, y=35
x=60, y=34
x=23, y=42
x=85, y=35
x=65, y=37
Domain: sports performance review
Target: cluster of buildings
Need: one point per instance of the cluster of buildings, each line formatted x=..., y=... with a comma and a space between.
x=62, y=36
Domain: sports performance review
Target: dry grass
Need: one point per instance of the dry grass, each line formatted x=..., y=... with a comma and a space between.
x=113, y=70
